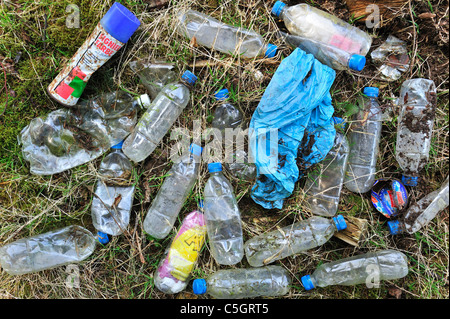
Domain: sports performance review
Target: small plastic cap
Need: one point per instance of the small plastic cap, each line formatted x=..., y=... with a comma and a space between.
x=394, y=227
x=195, y=149
x=214, y=167
x=371, y=91
x=118, y=146
x=340, y=223
x=271, y=50
x=120, y=22
x=277, y=8
x=189, y=77
x=144, y=100
x=102, y=238
x=357, y=62
x=222, y=94
x=199, y=286
x=410, y=180
x=307, y=282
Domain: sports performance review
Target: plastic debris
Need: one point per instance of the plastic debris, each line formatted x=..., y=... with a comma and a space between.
x=389, y=197
x=393, y=57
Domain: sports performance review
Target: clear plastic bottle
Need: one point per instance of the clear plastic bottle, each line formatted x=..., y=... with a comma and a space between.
x=223, y=218
x=290, y=240
x=314, y=24
x=222, y=37
x=364, y=138
x=174, y=271
x=365, y=268
x=269, y=281
x=226, y=115
x=174, y=191
x=159, y=118
x=56, y=248
x=415, y=126
x=422, y=212
x=114, y=193
x=324, y=184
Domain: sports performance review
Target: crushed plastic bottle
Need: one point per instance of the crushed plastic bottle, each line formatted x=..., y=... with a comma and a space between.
x=365, y=268
x=415, y=126
x=110, y=34
x=56, y=248
x=226, y=115
x=222, y=37
x=113, y=197
x=393, y=57
x=422, y=212
x=364, y=138
x=269, y=281
x=290, y=240
x=159, y=118
x=311, y=23
x=66, y=138
x=223, y=218
x=174, y=191
x=173, y=273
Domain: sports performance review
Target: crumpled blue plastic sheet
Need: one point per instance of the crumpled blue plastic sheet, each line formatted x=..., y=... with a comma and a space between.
x=292, y=127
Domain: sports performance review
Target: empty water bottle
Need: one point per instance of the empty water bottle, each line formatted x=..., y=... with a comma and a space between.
x=269, y=281
x=56, y=248
x=159, y=118
x=369, y=268
x=173, y=273
x=290, y=240
x=223, y=218
x=174, y=191
x=422, y=212
x=226, y=115
x=415, y=126
x=364, y=138
x=222, y=37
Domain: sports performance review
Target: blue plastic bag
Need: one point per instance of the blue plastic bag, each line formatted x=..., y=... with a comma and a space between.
x=292, y=127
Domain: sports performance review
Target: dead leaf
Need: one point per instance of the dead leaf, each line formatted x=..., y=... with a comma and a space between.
x=194, y=42
x=395, y=292
x=426, y=15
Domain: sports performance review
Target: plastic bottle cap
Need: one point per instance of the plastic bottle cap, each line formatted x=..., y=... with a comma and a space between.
x=307, y=282
x=394, y=227
x=144, y=100
x=196, y=149
x=277, y=8
x=339, y=121
x=120, y=22
x=340, y=223
x=271, y=50
x=214, y=167
x=199, y=286
x=189, y=77
x=118, y=146
x=222, y=94
x=371, y=91
x=410, y=180
x=357, y=62
x=102, y=238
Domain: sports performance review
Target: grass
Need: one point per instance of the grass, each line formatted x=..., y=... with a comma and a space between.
x=31, y=204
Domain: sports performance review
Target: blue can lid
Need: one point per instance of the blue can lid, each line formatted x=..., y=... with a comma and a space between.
x=394, y=227
x=371, y=91
x=189, y=77
x=118, y=146
x=222, y=94
x=271, y=50
x=199, y=286
x=410, y=180
x=277, y=8
x=120, y=22
x=102, y=238
x=307, y=282
x=357, y=62
x=214, y=167
x=195, y=149
x=340, y=223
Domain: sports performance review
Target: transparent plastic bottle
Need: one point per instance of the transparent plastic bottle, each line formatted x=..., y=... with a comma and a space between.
x=422, y=212
x=174, y=191
x=324, y=184
x=174, y=271
x=290, y=240
x=364, y=138
x=364, y=268
x=269, y=281
x=114, y=193
x=415, y=126
x=222, y=37
x=55, y=248
x=159, y=118
x=314, y=24
x=223, y=218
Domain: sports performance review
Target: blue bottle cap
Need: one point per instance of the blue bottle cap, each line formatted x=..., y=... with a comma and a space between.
x=199, y=286
x=371, y=91
x=117, y=146
x=102, y=238
x=120, y=22
x=277, y=8
x=200, y=204
x=222, y=94
x=189, y=77
x=357, y=62
x=339, y=121
x=410, y=180
x=214, y=167
x=195, y=149
x=394, y=227
x=307, y=282
x=271, y=50
x=340, y=223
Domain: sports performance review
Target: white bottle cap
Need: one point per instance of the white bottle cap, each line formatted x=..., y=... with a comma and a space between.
x=144, y=100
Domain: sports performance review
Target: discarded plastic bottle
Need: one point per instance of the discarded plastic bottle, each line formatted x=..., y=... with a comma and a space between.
x=314, y=24
x=226, y=115
x=364, y=268
x=290, y=240
x=174, y=191
x=158, y=118
x=422, y=212
x=415, y=126
x=364, y=138
x=323, y=185
x=110, y=34
x=269, y=281
x=113, y=197
x=172, y=275
x=223, y=218
x=219, y=36
x=56, y=248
